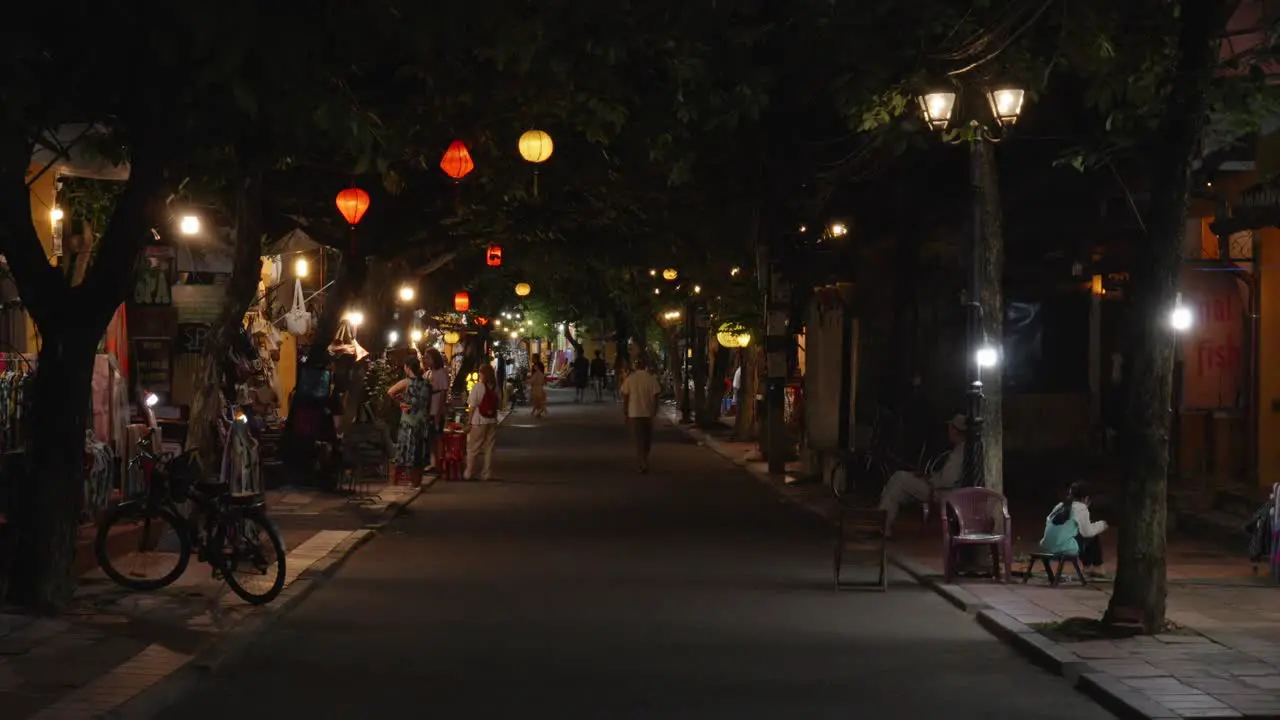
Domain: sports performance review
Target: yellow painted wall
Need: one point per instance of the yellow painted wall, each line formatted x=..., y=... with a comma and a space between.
x=42, y=201
x=287, y=369
x=1269, y=358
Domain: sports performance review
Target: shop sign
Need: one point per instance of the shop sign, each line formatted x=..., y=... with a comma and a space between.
x=191, y=337
x=1212, y=350
x=152, y=364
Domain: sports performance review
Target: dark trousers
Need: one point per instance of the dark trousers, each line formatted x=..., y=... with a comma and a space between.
x=1090, y=550
x=642, y=430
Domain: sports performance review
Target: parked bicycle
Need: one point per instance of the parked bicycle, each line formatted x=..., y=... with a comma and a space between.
x=230, y=532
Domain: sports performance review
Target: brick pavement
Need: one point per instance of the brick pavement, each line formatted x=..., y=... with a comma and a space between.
x=1224, y=661
x=113, y=644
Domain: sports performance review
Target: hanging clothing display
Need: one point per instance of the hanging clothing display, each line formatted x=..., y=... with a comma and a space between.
x=15, y=393
x=101, y=464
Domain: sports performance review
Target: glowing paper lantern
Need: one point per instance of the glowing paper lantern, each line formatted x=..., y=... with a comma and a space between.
x=457, y=162
x=353, y=203
x=536, y=146
x=493, y=256
x=523, y=289
x=462, y=302
x=452, y=337
x=670, y=274
x=733, y=336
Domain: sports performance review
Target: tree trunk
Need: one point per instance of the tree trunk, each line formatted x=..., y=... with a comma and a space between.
x=700, y=372
x=47, y=508
x=1140, y=590
x=991, y=296
x=715, y=395
x=745, y=425
x=246, y=271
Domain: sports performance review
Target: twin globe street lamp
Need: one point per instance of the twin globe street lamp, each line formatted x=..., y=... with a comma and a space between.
x=939, y=109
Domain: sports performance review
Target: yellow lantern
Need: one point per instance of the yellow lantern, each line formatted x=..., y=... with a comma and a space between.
x=670, y=274
x=733, y=336
x=523, y=289
x=536, y=146
x=472, y=379
x=452, y=338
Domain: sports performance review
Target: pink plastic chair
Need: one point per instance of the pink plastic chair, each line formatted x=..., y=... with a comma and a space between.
x=982, y=518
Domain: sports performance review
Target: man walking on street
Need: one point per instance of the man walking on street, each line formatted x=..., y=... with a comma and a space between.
x=640, y=404
x=599, y=371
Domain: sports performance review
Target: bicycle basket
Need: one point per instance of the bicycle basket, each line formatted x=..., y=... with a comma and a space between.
x=182, y=471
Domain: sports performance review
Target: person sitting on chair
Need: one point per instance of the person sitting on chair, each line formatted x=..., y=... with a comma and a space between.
x=1069, y=531
x=905, y=486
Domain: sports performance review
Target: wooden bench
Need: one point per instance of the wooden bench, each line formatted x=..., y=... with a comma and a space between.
x=1054, y=575
x=862, y=530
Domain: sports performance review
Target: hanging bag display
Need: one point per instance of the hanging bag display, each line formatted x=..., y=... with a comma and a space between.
x=298, y=321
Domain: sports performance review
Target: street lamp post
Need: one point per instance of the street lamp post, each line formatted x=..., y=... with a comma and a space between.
x=686, y=403
x=939, y=109
x=1181, y=320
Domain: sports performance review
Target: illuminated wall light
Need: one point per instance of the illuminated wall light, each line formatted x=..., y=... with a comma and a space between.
x=56, y=214
x=190, y=225
x=301, y=268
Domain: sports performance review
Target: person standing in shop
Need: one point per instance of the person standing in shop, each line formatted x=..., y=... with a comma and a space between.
x=414, y=394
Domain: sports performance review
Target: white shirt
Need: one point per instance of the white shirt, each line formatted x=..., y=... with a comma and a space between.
x=952, y=470
x=1088, y=528
x=640, y=391
x=737, y=378
x=473, y=402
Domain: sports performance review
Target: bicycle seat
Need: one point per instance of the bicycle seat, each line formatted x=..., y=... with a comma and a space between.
x=212, y=488
x=244, y=499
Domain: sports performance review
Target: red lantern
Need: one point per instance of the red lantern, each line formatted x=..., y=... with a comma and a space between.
x=462, y=302
x=353, y=203
x=493, y=256
x=457, y=162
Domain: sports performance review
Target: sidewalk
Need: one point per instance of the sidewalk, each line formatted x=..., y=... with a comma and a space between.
x=1223, y=660
x=113, y=646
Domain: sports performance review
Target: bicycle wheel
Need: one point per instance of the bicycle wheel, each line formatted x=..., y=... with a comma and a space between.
x=250, y=555
x=156, y=555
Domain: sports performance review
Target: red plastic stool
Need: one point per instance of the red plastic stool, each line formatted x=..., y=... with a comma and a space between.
x=453, y=455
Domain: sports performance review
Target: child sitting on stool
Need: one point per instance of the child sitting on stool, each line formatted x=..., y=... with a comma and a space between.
x=1069, y=531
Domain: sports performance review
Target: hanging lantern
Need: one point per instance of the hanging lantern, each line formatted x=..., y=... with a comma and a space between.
x=457, y=162
x=536, y=146
x=670, y=274
x=493, y=256
x=733, y=336
x=353, y=203
x=523, y=289
x=462, y=302
x=452, y=338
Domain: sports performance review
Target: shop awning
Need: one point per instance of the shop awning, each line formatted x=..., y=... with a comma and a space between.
x=77, y=161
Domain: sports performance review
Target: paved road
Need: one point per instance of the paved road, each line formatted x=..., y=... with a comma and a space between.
x=576, y=588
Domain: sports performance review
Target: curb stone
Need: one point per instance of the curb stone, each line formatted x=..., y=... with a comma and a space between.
x=242, y=637
x=1120, y=699
x=1103, y=689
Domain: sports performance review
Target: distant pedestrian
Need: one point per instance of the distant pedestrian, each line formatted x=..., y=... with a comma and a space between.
x=439, y=376
x=537, y=390
x=482, y=434
x=640, y=393
x=581, y=371
x=599, y=373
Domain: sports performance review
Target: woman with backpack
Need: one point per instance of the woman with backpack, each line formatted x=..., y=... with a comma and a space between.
x=414, y=394
x=484, y=403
